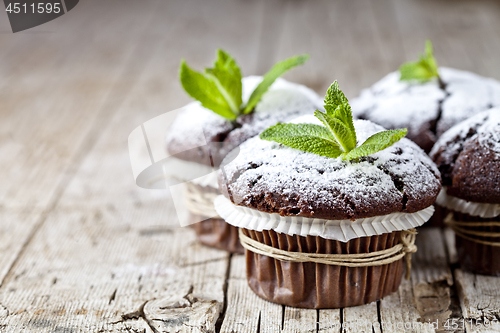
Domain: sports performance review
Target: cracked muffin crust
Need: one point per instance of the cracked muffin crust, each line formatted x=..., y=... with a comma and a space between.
x=199, y=135
x=428, y=109
x=468, y=157
x=272, y=178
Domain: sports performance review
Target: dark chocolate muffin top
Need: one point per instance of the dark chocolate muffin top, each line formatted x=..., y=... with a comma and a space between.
x=428, y=109
x=199, y=135
x=273, y=178
x=468, y=156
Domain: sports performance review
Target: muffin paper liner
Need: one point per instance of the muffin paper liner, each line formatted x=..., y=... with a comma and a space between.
x=217, y=233
x=476, y=257
x=320, y=286
x=484, y=210
x=341, y=230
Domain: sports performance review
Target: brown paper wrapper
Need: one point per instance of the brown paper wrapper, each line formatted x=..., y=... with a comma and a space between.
x=476, y=257
x=219, y=234
x=320, y=286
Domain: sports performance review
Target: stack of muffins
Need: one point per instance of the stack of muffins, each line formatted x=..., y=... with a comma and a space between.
x=327, y=228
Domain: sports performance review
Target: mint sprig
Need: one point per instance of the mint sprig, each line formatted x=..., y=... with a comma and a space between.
x=220, y=89
x=337, y=138
x=275, y=72
x=423, y=69
x=315, y=139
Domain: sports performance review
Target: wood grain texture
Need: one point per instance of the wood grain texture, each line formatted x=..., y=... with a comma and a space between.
x=82, y=249
x=361, y=319
x=246, y=312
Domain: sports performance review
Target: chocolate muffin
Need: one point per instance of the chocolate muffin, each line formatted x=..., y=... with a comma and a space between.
x=427, y=109
x=199, y=139
x=468, y=157
x=304, y=203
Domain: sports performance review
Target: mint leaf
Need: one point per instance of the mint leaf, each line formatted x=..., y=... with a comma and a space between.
x=271, y=76
x=204, y=89
x=227, y=76
x=377, y=142
x=338, y=129
x=338, y=117
x=337, y=138
x=311, y=138
x=422, y=70
x=334, y=98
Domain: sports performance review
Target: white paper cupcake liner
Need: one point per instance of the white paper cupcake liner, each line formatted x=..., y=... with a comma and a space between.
x=341, y=230
x=484, y=210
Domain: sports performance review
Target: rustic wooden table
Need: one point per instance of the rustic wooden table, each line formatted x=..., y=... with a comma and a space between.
x=83, y=249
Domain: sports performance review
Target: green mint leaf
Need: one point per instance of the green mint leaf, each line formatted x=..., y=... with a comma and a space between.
x=377, y=142
x=227, y=76
x=422, y=70
x=337, y=137
x=339, y=130
x=278, y=69
x=337, y=107
x=311, y=138
x=203, y=88
x=334, y=98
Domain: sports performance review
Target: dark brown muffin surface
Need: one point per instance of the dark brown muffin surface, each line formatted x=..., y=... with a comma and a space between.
x=468, y=156
x=272, y=178
x=199, y=135
x=427, y=109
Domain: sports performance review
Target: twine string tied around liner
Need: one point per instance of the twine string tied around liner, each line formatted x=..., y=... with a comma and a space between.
x=465, y=230
x=200, y=202
x=377, y=258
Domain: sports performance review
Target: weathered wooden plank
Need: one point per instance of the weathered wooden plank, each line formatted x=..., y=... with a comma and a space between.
x=329, y=320
x=480, y=326
x=44, y=135
x=430, y=262
x=464, y=35
x=300, y=320
x=480, y=301
x=388, y=38
x=246, y=312
x=426, y=299
x=90, y=268
x=49, y=75
x=431, y=277
x=361, y=319
x=158, y=91
x=398, y=310
x=344, y=41
x=479, y=295
x=54, y=286
x=14, y=228
x=111, y=255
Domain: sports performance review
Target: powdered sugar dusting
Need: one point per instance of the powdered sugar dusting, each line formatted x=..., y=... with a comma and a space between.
x=196, y=126
x=489, y=132
x=189, y=130
x=394, y=179
x=395, y=104
x=485, y=127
